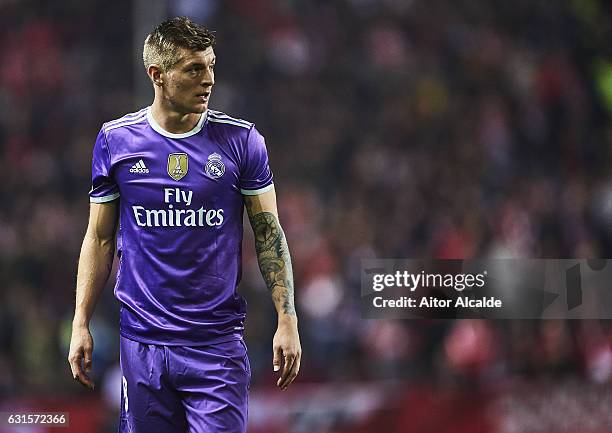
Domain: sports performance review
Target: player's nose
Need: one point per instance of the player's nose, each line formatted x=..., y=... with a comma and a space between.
x=208, y=80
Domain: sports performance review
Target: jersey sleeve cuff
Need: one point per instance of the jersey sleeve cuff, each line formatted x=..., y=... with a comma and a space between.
x=257, y=191
x=104, y=199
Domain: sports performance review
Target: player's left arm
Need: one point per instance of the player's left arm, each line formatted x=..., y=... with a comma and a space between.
x=275, y=265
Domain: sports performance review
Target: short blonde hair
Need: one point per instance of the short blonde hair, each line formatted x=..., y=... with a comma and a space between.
x=161, y=45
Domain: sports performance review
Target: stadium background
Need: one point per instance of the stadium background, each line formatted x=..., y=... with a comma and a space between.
x=412, y=128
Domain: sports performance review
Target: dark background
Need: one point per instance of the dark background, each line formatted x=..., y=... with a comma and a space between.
x=395, y=129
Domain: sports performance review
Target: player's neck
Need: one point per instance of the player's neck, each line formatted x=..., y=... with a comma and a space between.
x=172, y=121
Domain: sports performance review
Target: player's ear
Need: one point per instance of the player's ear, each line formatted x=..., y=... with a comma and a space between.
x=155, y=74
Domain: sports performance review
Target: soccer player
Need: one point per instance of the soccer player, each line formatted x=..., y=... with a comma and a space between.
x=170, y=182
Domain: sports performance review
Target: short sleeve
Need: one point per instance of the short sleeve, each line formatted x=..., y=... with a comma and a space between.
x=103, y=187
x=256, y=177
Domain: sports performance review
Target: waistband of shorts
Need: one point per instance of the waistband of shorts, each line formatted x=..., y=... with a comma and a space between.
x=236, y=336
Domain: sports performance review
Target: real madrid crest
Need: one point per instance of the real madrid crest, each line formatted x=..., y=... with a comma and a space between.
x=214, y=168
x=177, y=165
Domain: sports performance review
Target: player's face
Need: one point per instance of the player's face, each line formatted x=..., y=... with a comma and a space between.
x=188, y=83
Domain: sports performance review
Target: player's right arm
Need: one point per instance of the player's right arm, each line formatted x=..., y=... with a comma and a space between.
x=95, y=263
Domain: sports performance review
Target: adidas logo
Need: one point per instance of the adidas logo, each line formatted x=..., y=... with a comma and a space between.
x=139, y=167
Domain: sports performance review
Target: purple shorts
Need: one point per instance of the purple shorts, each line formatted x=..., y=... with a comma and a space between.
x=178, y=389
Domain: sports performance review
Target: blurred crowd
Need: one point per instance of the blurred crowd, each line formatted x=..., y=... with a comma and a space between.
x=396, y=129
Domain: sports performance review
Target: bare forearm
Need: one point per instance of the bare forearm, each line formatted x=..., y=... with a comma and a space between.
x=95, y=263
x=275, y=262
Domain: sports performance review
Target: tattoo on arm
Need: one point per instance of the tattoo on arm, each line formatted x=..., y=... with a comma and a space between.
x=274, y=259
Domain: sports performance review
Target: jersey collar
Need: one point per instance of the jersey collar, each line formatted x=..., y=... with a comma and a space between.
x=157, y=127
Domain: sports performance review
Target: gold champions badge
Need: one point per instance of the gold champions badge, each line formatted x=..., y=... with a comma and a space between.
x=177, y=165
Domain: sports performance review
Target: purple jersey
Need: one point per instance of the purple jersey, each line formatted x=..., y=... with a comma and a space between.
x=180, y=225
